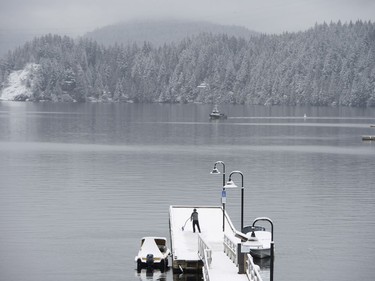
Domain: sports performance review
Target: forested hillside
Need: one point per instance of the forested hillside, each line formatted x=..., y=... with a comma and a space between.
x=329, y=64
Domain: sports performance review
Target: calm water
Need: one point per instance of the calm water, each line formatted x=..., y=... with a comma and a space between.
x=80, y=184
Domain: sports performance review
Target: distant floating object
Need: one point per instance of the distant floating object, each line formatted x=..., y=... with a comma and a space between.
x=368, y=138
x=304, y=116
x=372, y=126
x=215, y=114
x=204, y=85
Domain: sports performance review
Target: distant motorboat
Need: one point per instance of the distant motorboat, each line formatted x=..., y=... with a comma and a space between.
x=215, y=114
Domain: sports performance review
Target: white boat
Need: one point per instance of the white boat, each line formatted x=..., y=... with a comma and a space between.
x=153, y=254
x=259, y=241
x=215, y=114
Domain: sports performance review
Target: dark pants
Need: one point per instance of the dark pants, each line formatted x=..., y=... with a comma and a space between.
x=196, y=223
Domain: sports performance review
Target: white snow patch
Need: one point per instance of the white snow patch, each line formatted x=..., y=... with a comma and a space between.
x=17, y=82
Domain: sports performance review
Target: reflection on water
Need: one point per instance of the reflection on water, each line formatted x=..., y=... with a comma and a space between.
x=163, y=276
x=80, y=184
x=187, y=277
x=151, y=275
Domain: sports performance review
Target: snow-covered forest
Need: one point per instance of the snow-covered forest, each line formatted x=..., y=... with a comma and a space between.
x=329, y=64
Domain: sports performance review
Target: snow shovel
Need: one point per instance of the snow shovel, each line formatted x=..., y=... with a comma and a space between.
x=183, y=228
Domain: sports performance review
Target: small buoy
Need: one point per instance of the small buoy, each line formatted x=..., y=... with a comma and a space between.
x=304, y=116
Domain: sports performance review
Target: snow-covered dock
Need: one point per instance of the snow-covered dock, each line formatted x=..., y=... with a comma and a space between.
x=215, y=252
x=368, y=138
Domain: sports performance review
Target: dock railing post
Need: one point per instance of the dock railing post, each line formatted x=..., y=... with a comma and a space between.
x=240, y=260
x=272, y=259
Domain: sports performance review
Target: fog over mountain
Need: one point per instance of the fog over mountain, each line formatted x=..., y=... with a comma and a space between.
x=21, y=20
x=162, y=31
x=156, y=32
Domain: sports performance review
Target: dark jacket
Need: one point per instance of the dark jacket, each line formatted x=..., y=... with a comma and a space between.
x=194, y=216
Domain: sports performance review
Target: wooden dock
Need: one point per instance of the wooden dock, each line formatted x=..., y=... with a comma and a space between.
x=213, y=252
x=368, y=138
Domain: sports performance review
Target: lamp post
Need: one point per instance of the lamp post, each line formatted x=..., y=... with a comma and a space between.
x=215, y=171
x=231, y=184
x=272, y=242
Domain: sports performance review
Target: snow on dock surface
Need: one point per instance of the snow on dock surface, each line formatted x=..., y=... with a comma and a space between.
x=222, y=268
x=185, y=242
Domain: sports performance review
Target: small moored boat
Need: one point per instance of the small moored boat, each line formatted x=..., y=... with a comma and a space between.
x=259, y=241
x=153, y=254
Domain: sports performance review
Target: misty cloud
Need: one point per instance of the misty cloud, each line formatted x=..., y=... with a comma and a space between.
x=273, y=16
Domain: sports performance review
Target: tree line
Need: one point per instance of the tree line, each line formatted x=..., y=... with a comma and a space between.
x=329, y=64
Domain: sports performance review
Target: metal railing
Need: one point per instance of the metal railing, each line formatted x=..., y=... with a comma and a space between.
x=252, y=270
x=206, y=266
x=205, y=254
x=230, y=249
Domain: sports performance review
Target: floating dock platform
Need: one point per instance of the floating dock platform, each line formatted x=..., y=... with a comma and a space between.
x=214, y=252
x=184, y=242
x=368, y=138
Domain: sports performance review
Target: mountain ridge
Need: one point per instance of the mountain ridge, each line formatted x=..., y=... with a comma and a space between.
x=153, y=31
x=159, y=32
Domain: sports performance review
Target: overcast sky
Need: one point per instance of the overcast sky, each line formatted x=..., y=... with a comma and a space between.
x=74, y=17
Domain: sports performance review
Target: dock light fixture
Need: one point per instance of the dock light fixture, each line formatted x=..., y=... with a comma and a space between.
x=231, y=184
x=215, y=171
